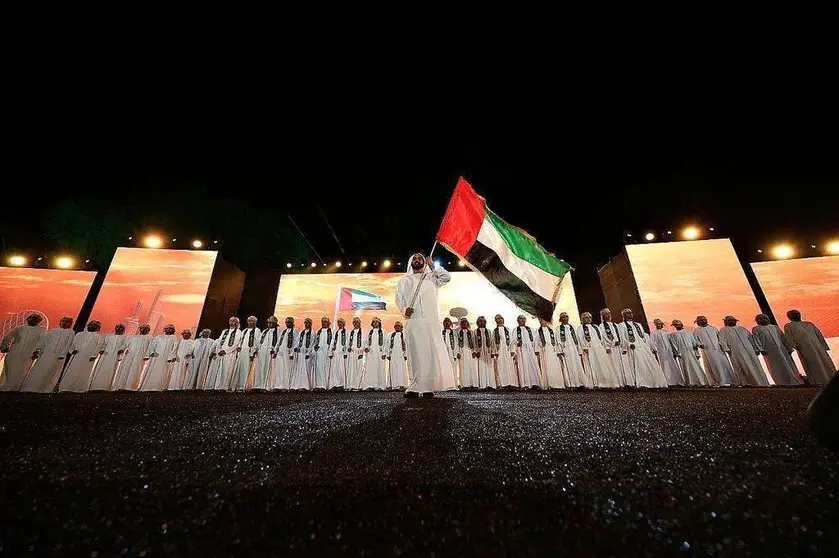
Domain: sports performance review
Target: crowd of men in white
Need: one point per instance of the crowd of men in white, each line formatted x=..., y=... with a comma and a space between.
x=607, y=355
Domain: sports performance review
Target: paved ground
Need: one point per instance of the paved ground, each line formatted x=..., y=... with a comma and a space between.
x=697, y=472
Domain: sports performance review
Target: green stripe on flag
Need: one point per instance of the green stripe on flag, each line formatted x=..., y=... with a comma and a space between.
x=525, y=247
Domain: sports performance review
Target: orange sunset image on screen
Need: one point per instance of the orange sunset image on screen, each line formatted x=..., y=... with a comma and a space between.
x=52, y=293
x=154, y=287
x=367, y=295
x=686, y=279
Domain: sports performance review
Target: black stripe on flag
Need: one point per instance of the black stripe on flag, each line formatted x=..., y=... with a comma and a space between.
x=487, y=262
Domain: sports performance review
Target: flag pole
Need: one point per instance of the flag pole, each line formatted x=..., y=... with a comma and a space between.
x=416, y=292
x=337, y=304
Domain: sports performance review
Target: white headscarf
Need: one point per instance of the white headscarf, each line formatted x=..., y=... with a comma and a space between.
x=410, y=270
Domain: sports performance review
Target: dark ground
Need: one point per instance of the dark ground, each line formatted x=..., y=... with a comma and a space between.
x=700, y=472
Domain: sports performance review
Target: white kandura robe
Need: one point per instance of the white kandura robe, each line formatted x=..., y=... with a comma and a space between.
x=159, y=367
x=223, y=366
x=812, y=349
x=687, y=350
x=717, y=367
x=21, y=342
x=549, y=358
x=180, y=368
x=303, y=360
x=266, y=358
x=466, y=358
x=106, y=367
x=87, y=345
x=397, y=356
x=486, y=366
x=338, y=366
x=644, y=366
x=612, y=342
x=52, y=351
x=199, y=363
x=246, y=360
x=777, y=349
x=660, y=339
x=375, y=376
x=743, y=349
x=285, y=358
x=321, y=352
x=570, y=354
x=133, y=360
x=505, y=350
x=355, y=358
x=428, y=360
x=527, y=356
x=596, y=361
x=450, y=343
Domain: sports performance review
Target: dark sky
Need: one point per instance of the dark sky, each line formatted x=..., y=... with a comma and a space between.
x=575, y=162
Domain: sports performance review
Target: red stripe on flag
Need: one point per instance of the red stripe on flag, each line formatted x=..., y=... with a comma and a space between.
x=463, y=219
x=346, y=300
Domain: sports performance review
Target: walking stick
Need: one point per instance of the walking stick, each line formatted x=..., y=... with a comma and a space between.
x=416, y=292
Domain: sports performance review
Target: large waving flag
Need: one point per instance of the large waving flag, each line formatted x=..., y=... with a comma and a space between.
x=505, y=255
x=355, y=299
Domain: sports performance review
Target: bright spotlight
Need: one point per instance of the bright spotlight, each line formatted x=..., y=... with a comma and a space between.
x=461, y=263
x=174, y=240
x=314, y=264
x=833, y=247
x=782, y=251
x=197, y=244
x=386, y=263
x=690, y=233
x=64, y=262
x=153, y=241
x=711, y=229
x=649, y=236
x=436, y=262
x=288, y=264
x=337, y=264
x=17, y=260
x=364, y=264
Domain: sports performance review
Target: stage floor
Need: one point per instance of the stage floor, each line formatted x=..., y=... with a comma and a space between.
x=722, y=471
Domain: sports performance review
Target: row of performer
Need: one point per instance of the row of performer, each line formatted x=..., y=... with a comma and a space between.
x=606, y=355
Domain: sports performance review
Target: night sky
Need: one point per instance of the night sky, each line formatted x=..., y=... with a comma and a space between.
x=573, y=167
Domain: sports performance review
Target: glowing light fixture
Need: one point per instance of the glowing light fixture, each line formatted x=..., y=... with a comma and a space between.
x=783, y=251
x=174, y=240
x=649, y=236
x=690, y=233
x=288, y=264
x=17, y=260
x=364, y=264
x=386, y=264
x=461, y=263
x=197, y=244
x=314, y=264
x=64, y=262
x=337, y=264
x=833, y=247
x=153, y=241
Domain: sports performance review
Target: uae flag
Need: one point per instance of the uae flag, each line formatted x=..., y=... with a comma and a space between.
x=505, y=255
x=355, y=299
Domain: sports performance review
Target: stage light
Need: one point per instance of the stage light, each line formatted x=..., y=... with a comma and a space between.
x=215, y=242
x=649, y=236
x=130, y=238
x=783, y=251
x=41, y=258
x=64, y=262
x=711, y=229
x=17, y=260
x=197, y=244
x=288, y=264
x=760, y=251
x=813, y=246
x=386, y=264
x=363, y=264
x=324, y=265
x=833, y=247
x=314, y=264
x=337, y=264
x=153, y=241
x=690, y=233
x=461, y=263
x=669, y=232
x=87, y=261
x=628, y=234
x=174, y=240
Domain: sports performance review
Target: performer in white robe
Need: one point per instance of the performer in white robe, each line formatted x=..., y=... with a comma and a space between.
x=266, y=355
x=247, y=356
x=338, y=357
x=596, y=362
x=109, y=359
x=505, y=354
x=570, y=355
x=355, y=354
x=483, y=346
x=375, y=351
x=645, y=369
x=133, y=361
x=467, y=356
x=162, y=352
x=83, y=353
x=686, y=348
x=777, y=351
x=527, y=355
x=744, y=350
x=285, y=355
x=226, y=350
x=52, y=352
x=717, y=367
x=19, y=346
x=321, y=352
x=180, y=366
x=397, y=357
x=614, y=348
x=199, y=363
x=549, y=356
x=416, y=298
x=812, y=349
x=660, y=339
x=301, y=373
x=450, y=342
